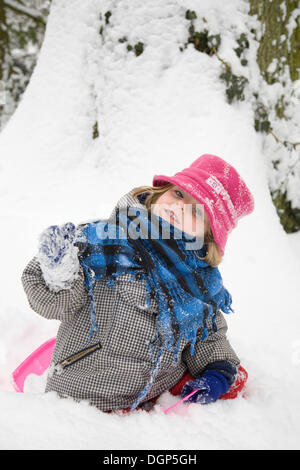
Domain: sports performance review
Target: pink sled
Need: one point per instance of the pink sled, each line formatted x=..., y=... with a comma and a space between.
x=36, y=363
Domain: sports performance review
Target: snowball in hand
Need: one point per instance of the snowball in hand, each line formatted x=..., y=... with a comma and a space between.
x=58, y=257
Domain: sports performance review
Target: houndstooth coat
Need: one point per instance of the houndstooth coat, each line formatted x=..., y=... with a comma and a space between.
x=111, y=370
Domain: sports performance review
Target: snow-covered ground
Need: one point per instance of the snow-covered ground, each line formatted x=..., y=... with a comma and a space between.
x=156, y=114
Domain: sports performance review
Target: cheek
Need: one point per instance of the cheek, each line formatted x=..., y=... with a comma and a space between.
x=166, y=198
x=157, y=207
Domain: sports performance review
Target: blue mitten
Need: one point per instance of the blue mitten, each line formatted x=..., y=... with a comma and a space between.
x=57, y=256
x=210, y=387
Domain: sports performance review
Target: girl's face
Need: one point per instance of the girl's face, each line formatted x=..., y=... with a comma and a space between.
x=183, y=211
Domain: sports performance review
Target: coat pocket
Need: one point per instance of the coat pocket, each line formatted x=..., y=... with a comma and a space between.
x=136, y=294
x=73, y=358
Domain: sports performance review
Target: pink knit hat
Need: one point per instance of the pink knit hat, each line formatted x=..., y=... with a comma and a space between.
x=217, y=185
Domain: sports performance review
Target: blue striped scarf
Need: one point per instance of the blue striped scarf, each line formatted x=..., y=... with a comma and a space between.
x=187, y=289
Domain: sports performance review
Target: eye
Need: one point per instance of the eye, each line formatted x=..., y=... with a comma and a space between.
x=198, y=212
x=178, y=192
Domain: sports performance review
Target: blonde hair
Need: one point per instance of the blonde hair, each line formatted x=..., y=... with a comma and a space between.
x=213, y=256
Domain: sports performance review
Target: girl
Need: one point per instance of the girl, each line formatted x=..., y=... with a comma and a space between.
x=139, y=295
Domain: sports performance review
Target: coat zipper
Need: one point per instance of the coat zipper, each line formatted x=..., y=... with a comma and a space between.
x=79, y=355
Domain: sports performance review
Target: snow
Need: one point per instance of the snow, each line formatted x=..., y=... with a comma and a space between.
x=156, y=113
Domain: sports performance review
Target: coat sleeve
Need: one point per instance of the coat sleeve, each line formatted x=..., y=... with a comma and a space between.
x=214, y=348
x=62, y=305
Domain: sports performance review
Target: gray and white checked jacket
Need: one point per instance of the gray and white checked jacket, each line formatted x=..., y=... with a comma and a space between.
x=111, y=370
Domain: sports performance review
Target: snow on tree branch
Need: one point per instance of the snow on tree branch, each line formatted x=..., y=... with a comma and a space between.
x=17, y=7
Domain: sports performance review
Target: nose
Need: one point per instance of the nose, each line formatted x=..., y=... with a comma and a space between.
x=180, y=210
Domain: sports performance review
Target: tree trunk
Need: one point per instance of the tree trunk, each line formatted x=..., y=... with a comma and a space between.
x=280, y=47
x=277, y=41
x=3, y=39
x=3, y=50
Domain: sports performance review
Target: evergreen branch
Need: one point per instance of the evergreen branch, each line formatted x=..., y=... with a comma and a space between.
x=270, y=130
